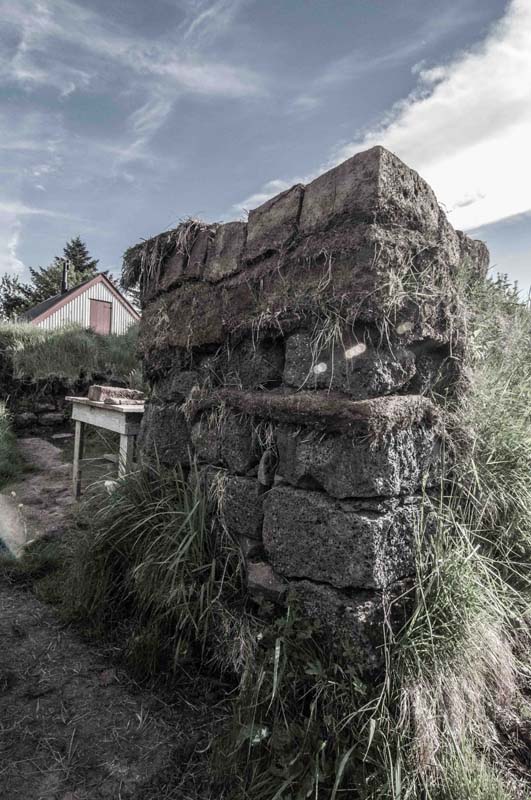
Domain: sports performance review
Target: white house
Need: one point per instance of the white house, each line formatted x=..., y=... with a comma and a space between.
x=95, y=304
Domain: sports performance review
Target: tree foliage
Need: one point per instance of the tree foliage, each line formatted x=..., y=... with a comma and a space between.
x=16, y=297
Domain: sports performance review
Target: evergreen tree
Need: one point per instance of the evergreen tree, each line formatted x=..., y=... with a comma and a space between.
x=47, y=280
x=14, y=296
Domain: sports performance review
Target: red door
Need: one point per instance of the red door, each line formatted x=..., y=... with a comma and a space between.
x=100, y=316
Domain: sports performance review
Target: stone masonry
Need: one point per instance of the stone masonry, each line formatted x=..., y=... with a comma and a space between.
x=298, y=358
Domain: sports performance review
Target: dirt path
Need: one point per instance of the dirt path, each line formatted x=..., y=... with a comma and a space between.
x=38, y=504
x=72, y=725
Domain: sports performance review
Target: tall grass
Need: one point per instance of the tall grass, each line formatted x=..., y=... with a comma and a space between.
x=9, y=460
x=66, y=353
x=151, y=564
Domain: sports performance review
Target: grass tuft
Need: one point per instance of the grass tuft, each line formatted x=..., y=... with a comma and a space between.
x=150, y=562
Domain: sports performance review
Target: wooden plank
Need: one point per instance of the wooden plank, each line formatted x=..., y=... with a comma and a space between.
x=78, y=456
x=137, y=408
x=107, y=417
x=125, y=459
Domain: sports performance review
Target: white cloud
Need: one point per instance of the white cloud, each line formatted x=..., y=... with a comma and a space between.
x=467, y=127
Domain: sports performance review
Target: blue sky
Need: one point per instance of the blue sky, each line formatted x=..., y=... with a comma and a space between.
x=118, y=118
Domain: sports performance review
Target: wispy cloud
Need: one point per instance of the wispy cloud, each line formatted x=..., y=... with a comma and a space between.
x=69, y=48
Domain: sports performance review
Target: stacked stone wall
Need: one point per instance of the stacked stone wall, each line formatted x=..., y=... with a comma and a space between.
x=298, y=359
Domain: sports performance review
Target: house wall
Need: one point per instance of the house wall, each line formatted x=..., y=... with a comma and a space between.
x=77, y=311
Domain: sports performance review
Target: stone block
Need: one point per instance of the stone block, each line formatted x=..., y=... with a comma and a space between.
x=373, y=186
x=189, y=316
x=199, y=252
x=239, y=449
x=254, y=365
x=398, y=461
x=164, y=434
x=225, y=439
x=344, y=543
x=240, y=505
x=177, y=385
x=273, y=225
x=172, y=269
x=263, y=583
x=355, y=367
x=226, y=256
x=357, y=622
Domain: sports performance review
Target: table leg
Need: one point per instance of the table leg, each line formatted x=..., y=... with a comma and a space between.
x=78, y=455
x=125, y=458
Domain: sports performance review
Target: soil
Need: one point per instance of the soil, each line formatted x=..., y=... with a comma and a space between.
x=73, y=723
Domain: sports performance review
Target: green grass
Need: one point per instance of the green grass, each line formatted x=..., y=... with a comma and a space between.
x=9, y=459
x=149, y=563
x=36, y=354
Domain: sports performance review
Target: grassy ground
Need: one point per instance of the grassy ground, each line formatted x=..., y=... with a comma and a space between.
x=449, y=718
x=37, y=354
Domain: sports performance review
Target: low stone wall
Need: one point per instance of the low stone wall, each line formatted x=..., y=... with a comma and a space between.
x=298, y=359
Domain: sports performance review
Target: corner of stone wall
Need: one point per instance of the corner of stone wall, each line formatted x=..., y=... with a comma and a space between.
x=300, y=356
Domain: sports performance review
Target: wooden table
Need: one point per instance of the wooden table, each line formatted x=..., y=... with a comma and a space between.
x=124, y=420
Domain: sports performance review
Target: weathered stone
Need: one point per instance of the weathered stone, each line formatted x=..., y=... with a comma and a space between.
x=189, y=316
x=206, y=439
x=357, y=622
x=177, y=385
x=164, y=434
x=226, y=256
x=104, y=393
x=398, y=461
x=273, y=225
x=239, y=451
x=373, y=186
x=263, y=583
x=199, y=251
x=254, y=365
x=347, y=544
x=240, y=505
x=172, y=270
x=354, y=367
x=224, y=438
x=474, y=254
